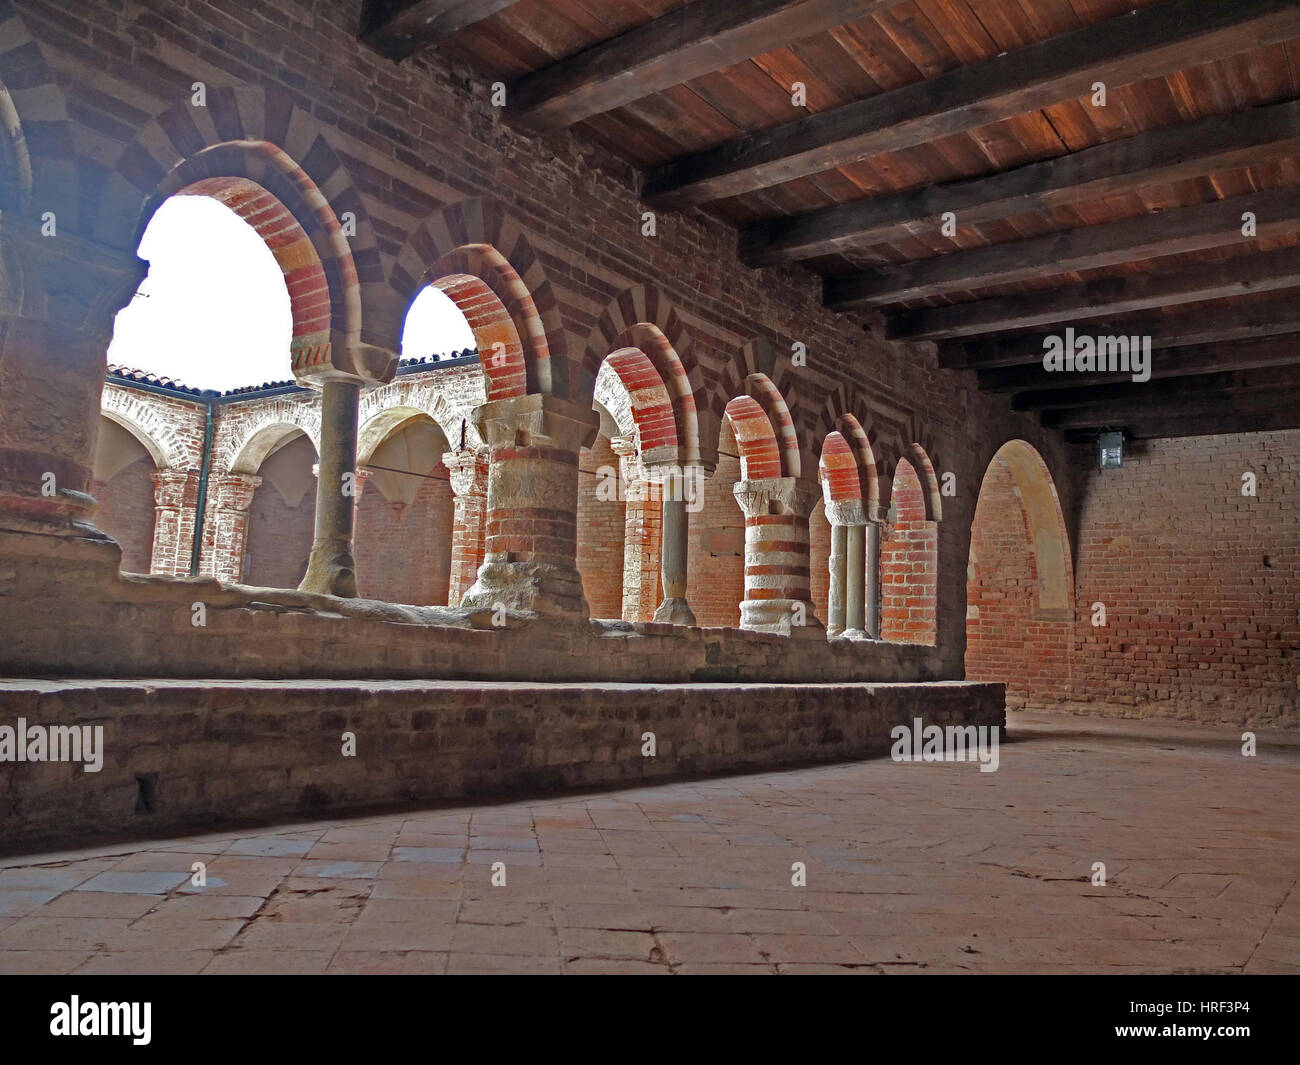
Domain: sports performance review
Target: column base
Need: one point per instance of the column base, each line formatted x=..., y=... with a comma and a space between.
x=674, y=611
x=536, y=587
x=778, y=615
x=331, y=570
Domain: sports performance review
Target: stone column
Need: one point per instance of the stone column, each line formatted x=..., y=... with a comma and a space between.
x=873, y=580
x=58, y=296
x=675, y=546
x=529, y=562
x=777, y=585
x=226, y=536
x=332, y=569
x=468, y=473
x=175, y=495
x=846, y=517
x=855, y=621
x=836, y=587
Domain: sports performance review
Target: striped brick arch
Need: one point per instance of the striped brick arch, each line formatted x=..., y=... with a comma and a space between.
x=266, y=160
x=29, y=93
x=477, y=239
x=838, y=470
x=488, y=292
x=759, y=373
x=846, y=417
x=642, y=318
x=651, y=408
x=760, y=456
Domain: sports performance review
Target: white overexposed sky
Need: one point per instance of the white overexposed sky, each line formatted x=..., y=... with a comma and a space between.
x=214, y=310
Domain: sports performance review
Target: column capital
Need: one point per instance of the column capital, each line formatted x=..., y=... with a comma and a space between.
x=170, y=485
x=536, y=420
x=846, y=512
x=233, y=491
x=468, y=473
x=768, y=495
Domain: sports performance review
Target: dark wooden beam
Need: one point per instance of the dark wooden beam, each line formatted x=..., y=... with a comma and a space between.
x=1238, y=276
x=1117, y=414
x=1122, y=390
x=1142, y=44
x=1163, y=156
x=1241, y=321
x=1168, y=362
x=1187, y=229
x=1161, y=427
x=686, y=43
x=396, y=28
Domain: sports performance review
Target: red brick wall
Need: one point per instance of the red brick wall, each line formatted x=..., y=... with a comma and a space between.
x=126, y=513
x=600, y=532
x=1007, y=639
x=908, y=564
x=715, y=582
x=279, y=538
x=403, y=551
x=1201, y=584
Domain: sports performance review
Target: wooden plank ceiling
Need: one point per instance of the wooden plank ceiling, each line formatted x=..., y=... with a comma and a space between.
x=1117, y=220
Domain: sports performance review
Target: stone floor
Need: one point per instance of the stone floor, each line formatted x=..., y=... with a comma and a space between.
x=922, y=867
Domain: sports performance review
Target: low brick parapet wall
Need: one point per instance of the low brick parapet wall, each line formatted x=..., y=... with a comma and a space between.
x=189, y=754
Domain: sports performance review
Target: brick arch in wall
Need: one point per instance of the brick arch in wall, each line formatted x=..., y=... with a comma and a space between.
x=477, y=239
x=906, y=438
x=424, y=394
x=758, y=372
x=167, y=445
x=246, y=452
x=909, y=553
x=642, y=317
x=29, y=92
x=848, y=417
x=756, y=440
x=1048, y=540
x=838, y=470
x=384, y=423
x=255, y=151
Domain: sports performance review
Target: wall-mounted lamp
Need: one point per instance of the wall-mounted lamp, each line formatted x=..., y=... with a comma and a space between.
x=1111, y=449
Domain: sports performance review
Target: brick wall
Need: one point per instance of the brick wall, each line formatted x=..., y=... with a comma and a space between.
x=126, y=513
x=909, y=562
x=601, y=529
x=403, y=551
x=1201, y=584
x=421, y=741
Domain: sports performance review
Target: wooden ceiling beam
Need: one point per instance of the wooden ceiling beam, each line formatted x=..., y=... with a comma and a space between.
x=686, y=43
x=397, y=28
x=1143, y=44
x=1240, y=275
x=1169, y=362
x=1123, y=390
x=1233, y=321
x=1163, y=156
x=1161, y=427
x=1119, y=414
x=1149, y=236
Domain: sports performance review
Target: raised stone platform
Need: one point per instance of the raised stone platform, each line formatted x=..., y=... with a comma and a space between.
x=183, y=754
